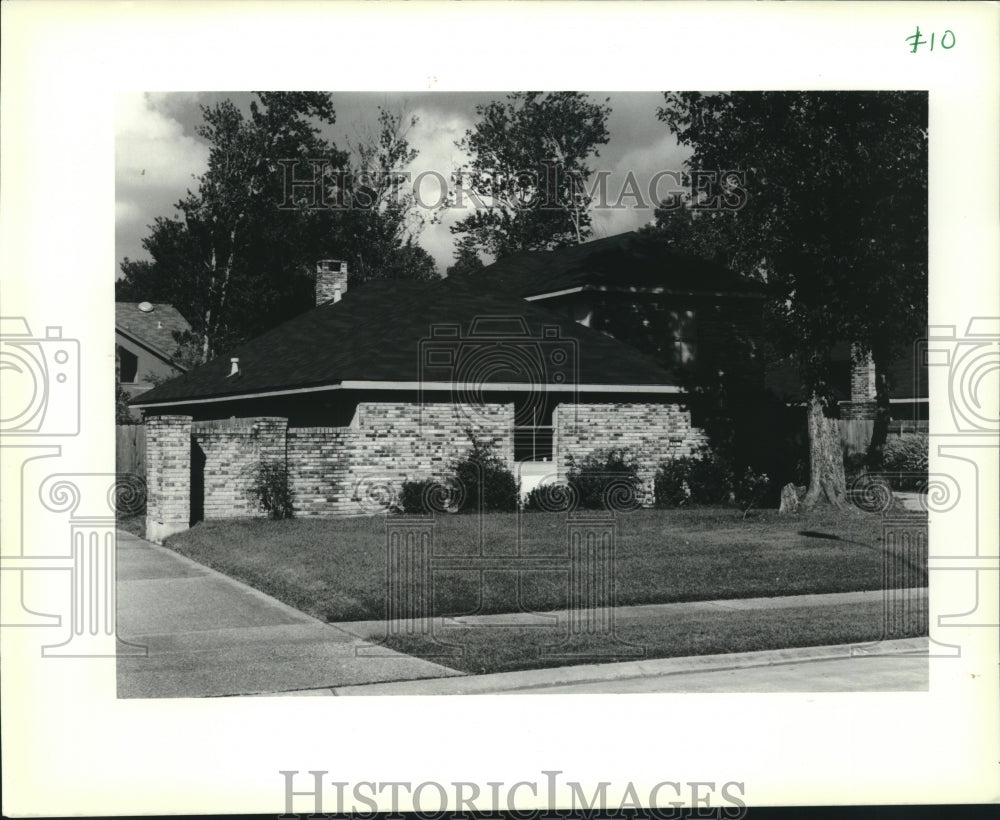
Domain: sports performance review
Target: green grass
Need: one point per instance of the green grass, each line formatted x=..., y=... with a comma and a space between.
x=335, y=569
x=678, y=634
x=134, y=524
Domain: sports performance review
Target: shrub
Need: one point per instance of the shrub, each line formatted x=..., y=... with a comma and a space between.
x=270, y=489
x=710, y=480
x=751, y=489
x=429, y=496
x=670, y=486
x=703, y=479
x=907, y=455
x=550, y=498
x=605, y=479
x=411, y=497
x=485, y=481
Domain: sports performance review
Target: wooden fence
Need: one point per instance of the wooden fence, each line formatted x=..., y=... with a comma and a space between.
x=130, y=441
x=855, y=434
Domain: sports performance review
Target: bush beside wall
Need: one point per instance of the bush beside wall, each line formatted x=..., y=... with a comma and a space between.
x=655, y=433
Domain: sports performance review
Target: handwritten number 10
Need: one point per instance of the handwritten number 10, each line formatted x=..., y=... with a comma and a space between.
x=947, y=40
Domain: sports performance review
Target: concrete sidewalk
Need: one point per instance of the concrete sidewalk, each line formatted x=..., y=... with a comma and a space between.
x=648, y=613
x=210, y=635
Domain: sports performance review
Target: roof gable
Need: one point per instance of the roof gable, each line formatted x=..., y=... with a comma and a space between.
x=379, y=333
x=154, y=328
x=629, y=260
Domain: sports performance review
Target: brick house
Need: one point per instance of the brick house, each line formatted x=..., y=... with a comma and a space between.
x=144, y=344
x=387, y=382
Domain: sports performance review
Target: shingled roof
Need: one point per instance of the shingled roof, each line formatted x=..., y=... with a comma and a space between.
x=376, y=334
x=628, y=261
x=153, y=328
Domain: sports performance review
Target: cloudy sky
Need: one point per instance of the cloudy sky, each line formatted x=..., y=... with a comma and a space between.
x=158, y=154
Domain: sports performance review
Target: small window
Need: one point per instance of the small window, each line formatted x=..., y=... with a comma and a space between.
x=683, y=337
x=128, y=366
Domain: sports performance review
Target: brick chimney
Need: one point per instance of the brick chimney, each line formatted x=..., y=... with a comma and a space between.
x=331, y=280
x=862, y=403
x=862, y=376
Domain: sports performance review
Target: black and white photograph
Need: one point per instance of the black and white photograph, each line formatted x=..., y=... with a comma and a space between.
x=524, y=392
x=610, y=389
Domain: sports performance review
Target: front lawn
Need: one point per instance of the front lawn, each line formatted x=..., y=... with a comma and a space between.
x=670, y=634
x=335, y=569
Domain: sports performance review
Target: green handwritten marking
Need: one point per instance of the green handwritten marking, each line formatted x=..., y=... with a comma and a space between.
x=915, y=40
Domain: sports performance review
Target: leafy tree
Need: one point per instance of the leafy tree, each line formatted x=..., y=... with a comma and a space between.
x=384, y=221
x=835, y=222
x=233, y=261
x=529, y=169
x=466, y=259
x=123, y=413
x=241, y=255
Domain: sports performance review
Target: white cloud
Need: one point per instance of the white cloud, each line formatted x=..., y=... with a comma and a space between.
x=435, y=136
x=155, y=162
x=151, y=149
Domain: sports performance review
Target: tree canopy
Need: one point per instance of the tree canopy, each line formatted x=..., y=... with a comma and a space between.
x=834, y=219
x=530, y=156
x=237, y=259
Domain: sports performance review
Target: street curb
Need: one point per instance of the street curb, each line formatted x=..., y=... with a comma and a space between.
x=502, y=682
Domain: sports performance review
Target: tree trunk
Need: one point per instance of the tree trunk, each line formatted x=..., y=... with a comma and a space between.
x=206, y=339
x=880, y=431
x=826, y=459
x=207, y=331
x=227, y=271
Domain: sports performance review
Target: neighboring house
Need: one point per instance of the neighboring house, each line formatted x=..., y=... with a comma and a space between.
x=854, y=385
x=386, y=383
x=145, y=344
x=633, y=287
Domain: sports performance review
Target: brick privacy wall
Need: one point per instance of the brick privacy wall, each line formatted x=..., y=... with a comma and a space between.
x=233, y=448
x=347, y=470
x=651, y=433
x=857, y=410
x=168, y=475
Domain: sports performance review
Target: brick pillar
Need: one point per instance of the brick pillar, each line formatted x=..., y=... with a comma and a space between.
x=168, y=476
